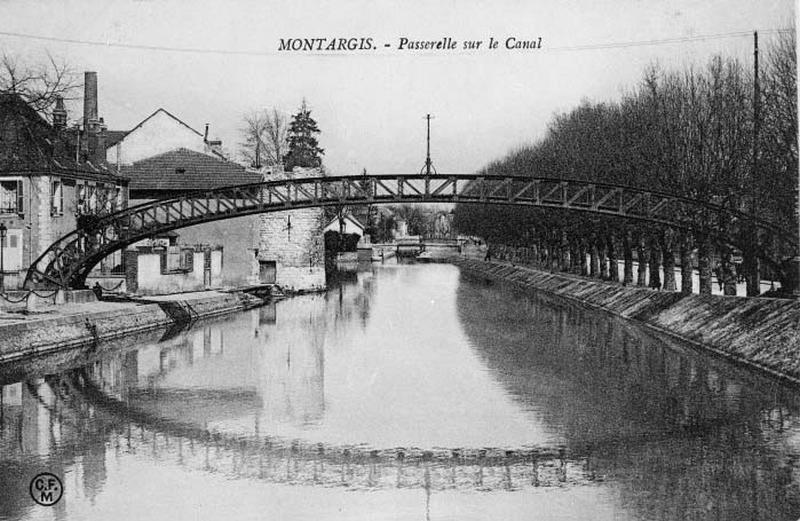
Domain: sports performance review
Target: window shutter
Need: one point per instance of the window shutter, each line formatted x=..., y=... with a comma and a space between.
x=20, y=198
x=164, y=261
x=60, y=197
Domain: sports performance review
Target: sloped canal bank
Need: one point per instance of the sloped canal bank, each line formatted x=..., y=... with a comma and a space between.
x=761, y=333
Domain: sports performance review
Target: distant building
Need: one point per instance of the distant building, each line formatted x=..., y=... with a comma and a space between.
x=50, y=177
x=291, y=249
x=173, y=173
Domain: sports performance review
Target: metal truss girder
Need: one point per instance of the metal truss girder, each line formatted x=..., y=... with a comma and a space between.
x=68, y=260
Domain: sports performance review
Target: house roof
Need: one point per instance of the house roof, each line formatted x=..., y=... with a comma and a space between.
x=28, y=143
x=184, y=169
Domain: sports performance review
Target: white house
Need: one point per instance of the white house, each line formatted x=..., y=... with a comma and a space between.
x=158, y=133
x=350, y=225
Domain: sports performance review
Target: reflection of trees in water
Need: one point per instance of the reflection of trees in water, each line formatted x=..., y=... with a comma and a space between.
x=683, y=436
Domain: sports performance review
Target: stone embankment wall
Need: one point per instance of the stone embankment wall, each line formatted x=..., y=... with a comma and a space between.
x=759, y=332
x=49, y=334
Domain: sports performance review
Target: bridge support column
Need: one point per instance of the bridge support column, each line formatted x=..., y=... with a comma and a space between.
x=687, y=265
x=642, y=259
x=668, y=253
x=655, y=264
x=704, y=264
x=627, y=255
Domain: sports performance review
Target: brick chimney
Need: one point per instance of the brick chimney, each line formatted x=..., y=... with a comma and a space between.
x=93, y=126
x=90, y=120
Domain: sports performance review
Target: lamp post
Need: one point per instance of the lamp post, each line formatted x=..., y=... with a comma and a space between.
x=3, y=233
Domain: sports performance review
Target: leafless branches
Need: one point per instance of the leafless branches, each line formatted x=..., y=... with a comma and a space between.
x=264, y=137
x=40, y=84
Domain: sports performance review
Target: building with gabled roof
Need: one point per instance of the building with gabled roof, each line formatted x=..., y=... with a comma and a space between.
x=159, y=132
x=51, y=176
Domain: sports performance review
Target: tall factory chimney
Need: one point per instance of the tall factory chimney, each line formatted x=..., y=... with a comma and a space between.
x=90, y=119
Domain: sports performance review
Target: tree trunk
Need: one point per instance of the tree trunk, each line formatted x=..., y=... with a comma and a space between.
x=602, y=258
x=565, y=253
x=655, y=264
x=584, y=264
x=726, y=271
x=594, y=262
x=641, y=257
x=627, y=254
x=575, y=256
x=751, y=265
x=667, y=245
x=687, y=266
x=613, y=266
x=704, y=264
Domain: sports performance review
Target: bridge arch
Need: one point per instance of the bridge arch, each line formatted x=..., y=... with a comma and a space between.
x=68, y=261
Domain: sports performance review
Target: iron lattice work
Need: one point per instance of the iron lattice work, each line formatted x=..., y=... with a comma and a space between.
x=68, y=261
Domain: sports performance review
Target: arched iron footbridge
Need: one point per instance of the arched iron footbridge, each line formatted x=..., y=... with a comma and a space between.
x=68, y=261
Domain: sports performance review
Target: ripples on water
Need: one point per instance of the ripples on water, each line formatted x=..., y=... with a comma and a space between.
x=406, y=392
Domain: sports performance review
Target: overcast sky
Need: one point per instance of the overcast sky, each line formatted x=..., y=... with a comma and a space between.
x=370, y=104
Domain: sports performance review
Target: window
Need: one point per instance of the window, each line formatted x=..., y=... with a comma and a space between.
x=56, y=197
x=177, y=260
x=11, y=199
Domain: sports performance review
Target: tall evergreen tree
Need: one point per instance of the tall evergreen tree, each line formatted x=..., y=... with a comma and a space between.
x=304, y=150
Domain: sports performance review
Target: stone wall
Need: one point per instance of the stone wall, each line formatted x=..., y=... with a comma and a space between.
x=293, y=241
x=50, y=334
x=762, y=333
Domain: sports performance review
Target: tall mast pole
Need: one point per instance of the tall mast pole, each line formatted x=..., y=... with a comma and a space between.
x=428, y=163
x=428, y=154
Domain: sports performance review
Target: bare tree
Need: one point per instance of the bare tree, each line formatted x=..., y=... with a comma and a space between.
x=264, y=137
x=39, y=85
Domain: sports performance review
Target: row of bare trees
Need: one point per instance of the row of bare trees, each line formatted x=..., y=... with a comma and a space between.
x=709, y=133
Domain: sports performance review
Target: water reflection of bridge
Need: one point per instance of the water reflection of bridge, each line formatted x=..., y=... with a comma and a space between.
x=70, y=400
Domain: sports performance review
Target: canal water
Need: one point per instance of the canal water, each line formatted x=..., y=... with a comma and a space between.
x=405, y=392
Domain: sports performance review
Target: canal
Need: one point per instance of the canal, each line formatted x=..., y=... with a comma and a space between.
x=404, y=392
